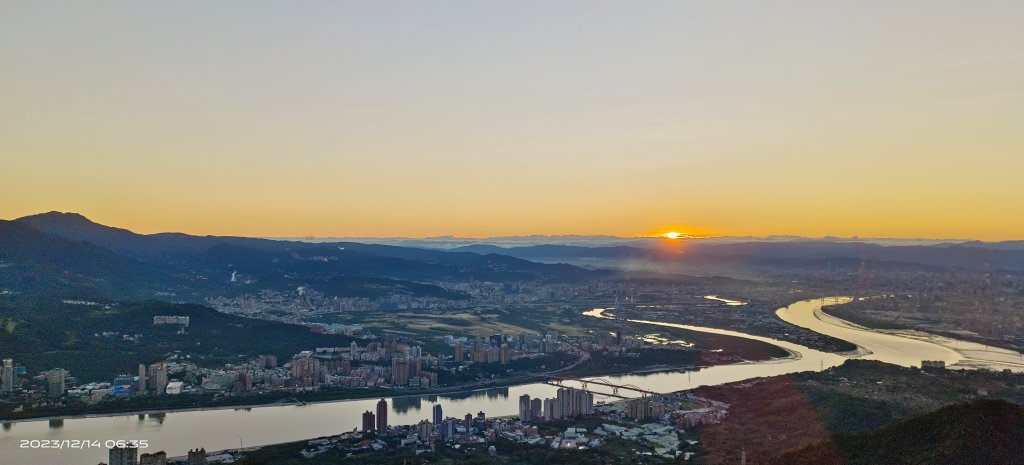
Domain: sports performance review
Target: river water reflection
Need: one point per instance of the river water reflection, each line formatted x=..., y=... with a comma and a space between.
x=899, y=347
x=177, y=432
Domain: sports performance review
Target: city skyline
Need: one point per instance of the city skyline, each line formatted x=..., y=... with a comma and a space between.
x=355, y=119
x=589, y=231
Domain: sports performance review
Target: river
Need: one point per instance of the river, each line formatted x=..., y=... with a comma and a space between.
x=177, y=432
x=900, y=347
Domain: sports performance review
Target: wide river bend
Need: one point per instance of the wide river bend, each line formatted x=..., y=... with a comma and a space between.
x=218, y=429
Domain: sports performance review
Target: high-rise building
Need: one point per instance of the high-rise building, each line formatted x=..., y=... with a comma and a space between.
x=563, y=402
x=399, y=371
x=8, y=375
x=414, y=352
x=243, y=381
x=525, y=412
x=158, y=376
x=431, y=377
x=156, y=458
x=369, y=421
x=588, y=404
x=382, y=417
x=197, y=457
x=123, y=456
x=141, y=387
x=307, y=371
x=468, y=423
x=504, y=354
x=417, y=366
x=438, y=416
x=55, y=380
x=459, y=355
x=568, y=403
x=549, y=409
x=535, y=409
x=425, y=429
x=448, y=429
x=639, y=409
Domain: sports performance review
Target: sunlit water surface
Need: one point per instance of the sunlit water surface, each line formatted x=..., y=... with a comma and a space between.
x=177, y=432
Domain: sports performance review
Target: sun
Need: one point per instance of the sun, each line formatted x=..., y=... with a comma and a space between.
x=673, y=235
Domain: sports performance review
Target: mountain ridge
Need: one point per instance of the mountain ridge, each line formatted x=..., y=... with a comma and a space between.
x=192, y=267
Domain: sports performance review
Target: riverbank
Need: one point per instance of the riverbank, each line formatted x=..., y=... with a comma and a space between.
x=221, y=428
x=313, y=398
x=891, y=321
x=655, y=360
x=806, y=408
x=971, y=354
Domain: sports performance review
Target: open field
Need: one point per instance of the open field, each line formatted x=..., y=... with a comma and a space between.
x=444, y=323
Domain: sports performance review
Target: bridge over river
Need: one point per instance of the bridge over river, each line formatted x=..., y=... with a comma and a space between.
x=176, y=432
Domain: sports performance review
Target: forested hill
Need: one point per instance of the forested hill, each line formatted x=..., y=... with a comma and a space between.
x=985, y=432
x=98, y=342
x=62, y=253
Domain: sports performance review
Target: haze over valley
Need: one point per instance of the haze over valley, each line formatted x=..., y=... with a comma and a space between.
x=511, y=233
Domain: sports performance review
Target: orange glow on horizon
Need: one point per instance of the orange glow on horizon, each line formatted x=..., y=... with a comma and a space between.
x=684, y=231
x=836, y=133
x=283, y=222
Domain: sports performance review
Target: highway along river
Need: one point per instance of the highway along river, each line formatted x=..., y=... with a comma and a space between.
x=177, y=432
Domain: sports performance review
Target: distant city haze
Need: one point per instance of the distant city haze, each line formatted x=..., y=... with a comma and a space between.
x=415, y=119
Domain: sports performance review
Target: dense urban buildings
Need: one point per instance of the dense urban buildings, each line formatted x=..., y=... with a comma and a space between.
x=7, y=375
x=124, y=456
x=382, y=416
x=369, y=422
x=438, y=414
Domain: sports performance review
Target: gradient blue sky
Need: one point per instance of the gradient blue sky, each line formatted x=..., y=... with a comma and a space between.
x=898, y=119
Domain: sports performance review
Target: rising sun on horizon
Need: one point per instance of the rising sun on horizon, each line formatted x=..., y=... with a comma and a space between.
x=486, y=119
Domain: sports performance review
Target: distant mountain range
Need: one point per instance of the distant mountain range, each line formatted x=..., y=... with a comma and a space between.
x=56, y=252
x=802, y=253
x=452, y=242
x=67, y=254
x=772, y=251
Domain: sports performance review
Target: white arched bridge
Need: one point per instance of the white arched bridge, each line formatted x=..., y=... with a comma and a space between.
x=587, y=383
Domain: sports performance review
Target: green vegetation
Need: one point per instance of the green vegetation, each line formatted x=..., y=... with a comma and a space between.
x=531, y=318
x=341, y=285
x=771, y=415
x=617, y=451
x=518, y=367
x=644, y=359
x=554, y=427
x=48, y=333
x=841, y=412
x=983, y=432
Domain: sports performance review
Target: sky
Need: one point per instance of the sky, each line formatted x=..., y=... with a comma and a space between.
x=424, y=118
